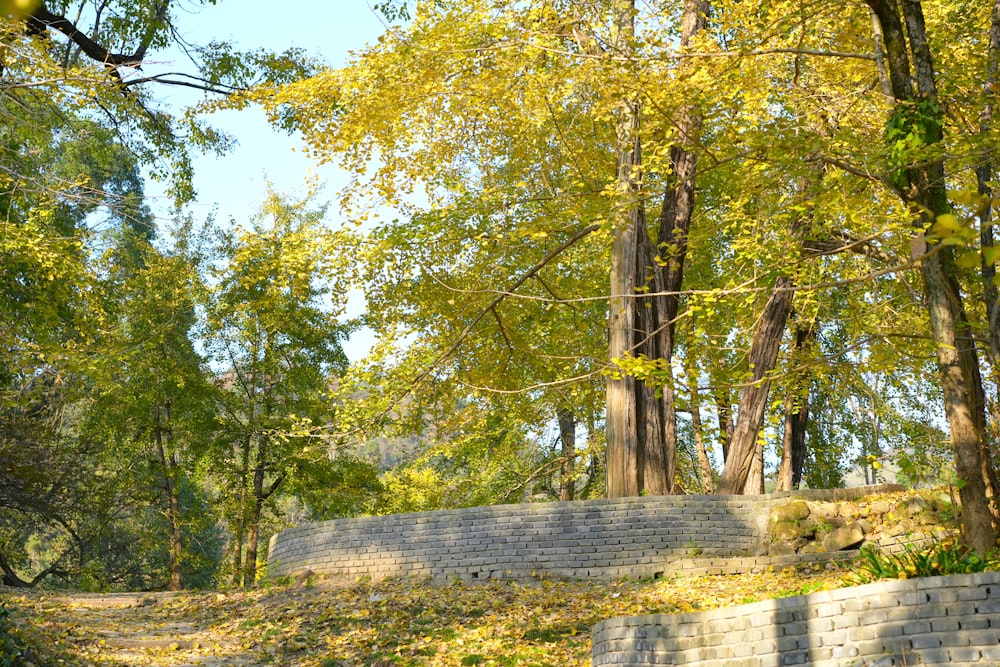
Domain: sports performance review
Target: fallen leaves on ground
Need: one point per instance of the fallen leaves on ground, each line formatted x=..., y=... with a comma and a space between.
x=394, y=622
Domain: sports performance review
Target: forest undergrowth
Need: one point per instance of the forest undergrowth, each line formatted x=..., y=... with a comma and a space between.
x=372, y=624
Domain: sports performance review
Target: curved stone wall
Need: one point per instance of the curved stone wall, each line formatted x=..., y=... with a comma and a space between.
x=933, y=621
x=579, y=539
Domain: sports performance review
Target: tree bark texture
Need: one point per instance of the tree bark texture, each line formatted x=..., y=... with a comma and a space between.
x=957, y=358
x=567, y=439
x=634, y=420
x=746, y=447
x=793, y=446
x=625, y=456
x=755, y=478
x=753, y=400
x=985, y=174
x=642, y=426
x=674, y=225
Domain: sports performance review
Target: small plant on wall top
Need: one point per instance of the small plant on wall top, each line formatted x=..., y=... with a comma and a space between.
x=944, y=557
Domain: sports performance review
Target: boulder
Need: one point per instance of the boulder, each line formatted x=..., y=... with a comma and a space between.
x=880, y=507
x=793, y=511
x=843, y=538
x=849, y=510
x=786, y=531
x=823, y=511
x=901, y=527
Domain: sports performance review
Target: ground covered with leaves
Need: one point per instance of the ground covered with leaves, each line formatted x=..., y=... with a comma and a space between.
x=394, y=622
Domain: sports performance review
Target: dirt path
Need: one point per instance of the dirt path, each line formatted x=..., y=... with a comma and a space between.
x=153, y=630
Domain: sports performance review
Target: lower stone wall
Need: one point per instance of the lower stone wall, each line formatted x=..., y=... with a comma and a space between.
x=639, y=537
x=933, y=621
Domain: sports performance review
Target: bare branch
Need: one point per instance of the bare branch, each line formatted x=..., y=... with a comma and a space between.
x=196, y=82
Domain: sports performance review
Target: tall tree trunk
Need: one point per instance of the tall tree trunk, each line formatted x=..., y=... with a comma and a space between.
x=171, y=494
x=793, y=445
x=956, y=355
x=625, y=449
x=753, y=399
x=642, y=426
x=883, y=74
x=634, y=422
x=985, y=174
x=672, y=236
x=744, y=470
x=567, y=438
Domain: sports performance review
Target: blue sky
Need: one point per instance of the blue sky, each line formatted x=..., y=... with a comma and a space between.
x=233, y=184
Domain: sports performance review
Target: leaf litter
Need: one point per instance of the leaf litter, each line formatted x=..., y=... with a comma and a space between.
x=536, y=623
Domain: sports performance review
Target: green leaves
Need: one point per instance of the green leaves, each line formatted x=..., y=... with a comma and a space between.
x=940, y=558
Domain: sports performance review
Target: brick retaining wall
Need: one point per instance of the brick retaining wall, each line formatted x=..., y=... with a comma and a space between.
x=638, y=537
x=933, y=621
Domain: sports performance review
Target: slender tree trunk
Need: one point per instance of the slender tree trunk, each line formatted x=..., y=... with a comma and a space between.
x=744, y=470
x=704, y=464
x=169, y=471
x=793, y=446
x=753, y=399
x=242, y=515
x=672, y=236
x=253, y=525
x=956, y=356
x=567, y=437
x=883, y=74
x=596, y=484
x=724, y=413
x=985, y=173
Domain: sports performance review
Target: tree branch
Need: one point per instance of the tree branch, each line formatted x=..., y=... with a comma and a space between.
x=497, y=300
x=43, y=20
x=851, y=169
x=195, y=82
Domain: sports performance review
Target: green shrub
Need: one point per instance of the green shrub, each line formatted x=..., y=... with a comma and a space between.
x=12, y=647
x=944, y=557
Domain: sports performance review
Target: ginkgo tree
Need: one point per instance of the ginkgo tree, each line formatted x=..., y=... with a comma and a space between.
x=152, y=399
x=274, y=333
x=788, y=160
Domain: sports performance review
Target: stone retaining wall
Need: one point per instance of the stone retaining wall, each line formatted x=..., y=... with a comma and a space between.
x=933, y=621
x=638, y=537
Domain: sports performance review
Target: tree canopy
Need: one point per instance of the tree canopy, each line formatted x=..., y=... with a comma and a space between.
x=605, y=248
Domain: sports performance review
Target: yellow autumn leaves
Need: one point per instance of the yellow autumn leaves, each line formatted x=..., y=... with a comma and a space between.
x=950, y=229
x=401, y=621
